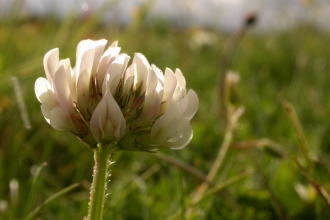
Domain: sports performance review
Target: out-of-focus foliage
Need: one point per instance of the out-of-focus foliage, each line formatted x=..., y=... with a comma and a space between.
x=294, y=64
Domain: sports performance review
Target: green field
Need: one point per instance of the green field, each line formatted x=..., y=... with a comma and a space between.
x=268, y=183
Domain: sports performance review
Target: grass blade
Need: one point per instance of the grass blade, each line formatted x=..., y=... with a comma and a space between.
x=50, y=199
x=33, y=191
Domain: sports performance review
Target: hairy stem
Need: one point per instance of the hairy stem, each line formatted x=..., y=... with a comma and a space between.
x=100, y=174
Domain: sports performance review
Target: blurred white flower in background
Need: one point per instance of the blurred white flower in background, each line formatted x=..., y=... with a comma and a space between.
x=102, y=100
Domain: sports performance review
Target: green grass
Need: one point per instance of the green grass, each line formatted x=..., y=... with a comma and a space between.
x=294, y=64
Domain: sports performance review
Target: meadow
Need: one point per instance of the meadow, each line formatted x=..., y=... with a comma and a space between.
x=277, y=162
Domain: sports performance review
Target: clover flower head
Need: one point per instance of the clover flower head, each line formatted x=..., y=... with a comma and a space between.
x=103, y=100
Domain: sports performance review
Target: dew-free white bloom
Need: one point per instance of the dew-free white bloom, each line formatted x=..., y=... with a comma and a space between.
x=102, y=100
x=56, y=94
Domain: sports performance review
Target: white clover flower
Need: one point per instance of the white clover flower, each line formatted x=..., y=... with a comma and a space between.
x=103, y=101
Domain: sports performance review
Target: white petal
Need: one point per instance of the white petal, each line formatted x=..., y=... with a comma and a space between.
x=167, y=132
x=93, y=60
x=51, y=60
x=46, y=108
x=116, y=71
x=116, y=117
x=83, y=92
x=113, y=50
x=181, y=143
x=128, y=85
x=158, y=73
x=108, y=57
x=105, y=84
x=181, y=79
x=62, y=89
x=152, y=102
x=114, y=44
x=67, y=66
x=81, y=49
x=152, y=81
x=129, y=79
x=183, y=126
x=100, y=134
x=142, y=69
x=43, y=91
x=179, y=94
x=69, y=75
x=160, y=81
x=170, y=84
x=193, y=103
x=174, y=112
x=150, y=111
x=108, y=131
x=130, y=71
x=99, y=48
x=184, y=141
x=98, y=121
x=85, y=62
x=104, y=64
x=59, y=119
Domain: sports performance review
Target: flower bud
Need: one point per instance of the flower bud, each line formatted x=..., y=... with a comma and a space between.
x=107, y=123
x=231, y=88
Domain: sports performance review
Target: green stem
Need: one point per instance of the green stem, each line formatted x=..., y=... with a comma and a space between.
x=303, y=144
x=232, y=122
x=100, y=174
x=233, y=117
x=223, y=185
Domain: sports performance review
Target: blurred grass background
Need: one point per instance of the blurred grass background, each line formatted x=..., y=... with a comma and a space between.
x=294, y=64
